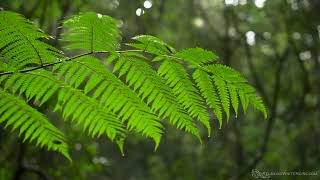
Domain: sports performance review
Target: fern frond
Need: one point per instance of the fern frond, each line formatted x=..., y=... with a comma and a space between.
x=34, y=125
x=196, y=56
x=92, y=32
x=113, y=94
x=152, y=45
x=85, y=110
x=89, y=93
x=154, y=90
x=33, y=87
x=258, y=104
x=237, y=85
x=187, y=95
x=234, y=97
x=223, y=94
x=247, y=95
x=40, y=85
x=94, y=118
x=3, y=66
x=204, y=83
x=21, y=43
x=227, y=73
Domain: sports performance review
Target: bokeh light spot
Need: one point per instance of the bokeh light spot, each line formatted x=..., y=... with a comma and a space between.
x=147, y=4
x=139, y=11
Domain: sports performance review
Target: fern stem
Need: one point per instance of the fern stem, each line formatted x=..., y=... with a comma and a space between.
x=86, y=54
x=60, y=61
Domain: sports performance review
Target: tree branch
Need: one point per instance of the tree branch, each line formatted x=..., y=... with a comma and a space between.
x=273, y=114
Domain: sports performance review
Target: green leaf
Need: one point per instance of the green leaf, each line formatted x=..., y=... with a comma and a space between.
x=152, y=45
x=116, y=96
x=258, y=104
x=21, y=44
x=204, y=83
x=33, y=124
x=185, y=91
x=151, y=87
x=234, y=98
x=125, y=94
x=92, y=32
x=196, y=56
x=223, y=94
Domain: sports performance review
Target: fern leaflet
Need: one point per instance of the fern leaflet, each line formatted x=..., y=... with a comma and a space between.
x=33, y=124
x=92, y=32
x=20, y=43
x=185, y=91
x=140, y=75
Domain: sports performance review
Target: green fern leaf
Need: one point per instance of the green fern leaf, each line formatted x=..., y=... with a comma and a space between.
x=33, y=87
x=88, y=112
x=258, y=104
x=204, y=83
x=92, y=32
x=196, y=56
x=94, y=118
x=237, y=86
x=227, y=73
x=244, y=90
x=183, y=88
x=33, y=124
x=153, y=89
x=223, y=94
x=94, y=97
x=152, y=45
x=234, y=97
x=113, y=94
x=21, y=43
x=41, y=85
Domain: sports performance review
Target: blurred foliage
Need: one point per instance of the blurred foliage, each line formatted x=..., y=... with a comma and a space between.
x=275, y=44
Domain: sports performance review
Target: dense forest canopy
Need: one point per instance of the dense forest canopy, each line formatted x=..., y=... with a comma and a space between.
x=273, y=44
